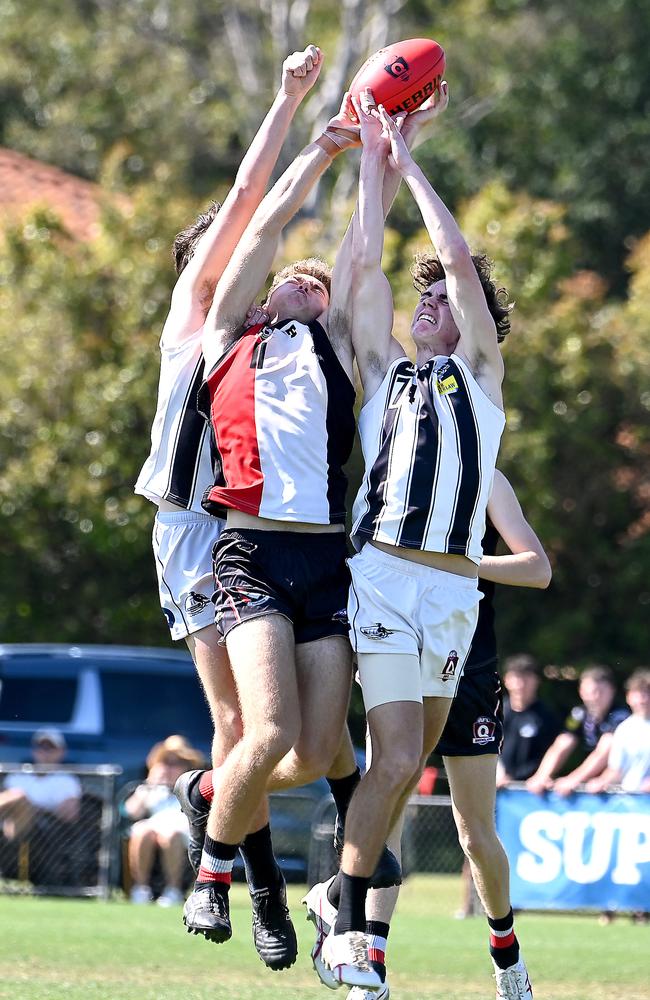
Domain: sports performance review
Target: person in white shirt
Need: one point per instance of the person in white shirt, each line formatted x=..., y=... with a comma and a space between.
x=628, y=764
x=26, y=794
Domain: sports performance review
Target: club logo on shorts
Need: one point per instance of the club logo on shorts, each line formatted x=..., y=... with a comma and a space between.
x=340, y=616
x=449, y=669
x=398, y=69
x=483, y=731
x=376, y=631
x=195, y=603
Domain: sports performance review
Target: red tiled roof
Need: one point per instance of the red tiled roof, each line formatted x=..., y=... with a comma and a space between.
x=26, y=183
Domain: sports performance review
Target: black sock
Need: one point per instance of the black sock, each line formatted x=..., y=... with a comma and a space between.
x=342, y=790
x=262, y=870
x=377, y=932
x=504, y=947
x=352, y=904
x=334, y=890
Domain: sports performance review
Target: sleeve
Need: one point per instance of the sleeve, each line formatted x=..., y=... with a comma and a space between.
x=616, y=759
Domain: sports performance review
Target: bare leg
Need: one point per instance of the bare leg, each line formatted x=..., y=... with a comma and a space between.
x=472, y=782
x=16, y=813
x=381, y=903
x=324, y=671
x=142, y=851
x=173, y=854
x=345, y=762
x=261, y=654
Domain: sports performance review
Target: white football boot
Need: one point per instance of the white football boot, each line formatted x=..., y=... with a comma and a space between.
x=513, y=983
x=358, y=993
x=346, y=956
x=322, y=914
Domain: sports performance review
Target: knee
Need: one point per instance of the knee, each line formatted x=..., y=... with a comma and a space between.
x=267, y=746
x=142, y=833
x=314, y=754
x=478, y=840
x=397, y=769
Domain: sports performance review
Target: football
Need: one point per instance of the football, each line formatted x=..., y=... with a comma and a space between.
x=402, y=75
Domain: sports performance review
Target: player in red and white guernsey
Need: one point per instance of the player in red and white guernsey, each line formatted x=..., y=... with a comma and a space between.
x=178, y=471
x=430, y=433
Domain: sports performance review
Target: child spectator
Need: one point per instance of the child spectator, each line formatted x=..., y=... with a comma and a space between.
x=529, y=726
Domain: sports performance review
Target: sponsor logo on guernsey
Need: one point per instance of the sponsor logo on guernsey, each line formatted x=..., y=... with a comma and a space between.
x=290, y=330
x=376, y=631
x=195, y=603
x=483, y=731
x=447, y=385
x=449, y=669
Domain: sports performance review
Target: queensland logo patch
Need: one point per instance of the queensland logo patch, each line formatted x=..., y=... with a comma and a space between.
x=483, y=731
x=449, y=669
x=195, y=603
x=376, y=631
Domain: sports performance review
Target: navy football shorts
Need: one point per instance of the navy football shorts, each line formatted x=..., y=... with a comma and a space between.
x=299, y=575
x=475, y=722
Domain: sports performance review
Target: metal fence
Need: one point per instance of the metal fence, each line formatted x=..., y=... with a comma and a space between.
x=48, y=854
x=429, y=842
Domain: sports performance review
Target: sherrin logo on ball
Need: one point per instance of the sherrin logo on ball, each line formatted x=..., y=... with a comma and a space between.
x=402, y=75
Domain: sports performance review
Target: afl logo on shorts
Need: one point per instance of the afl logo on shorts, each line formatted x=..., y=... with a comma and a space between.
x=483, y=730
x=449, y=669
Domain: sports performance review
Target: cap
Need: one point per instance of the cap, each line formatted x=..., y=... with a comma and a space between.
x=53, y=736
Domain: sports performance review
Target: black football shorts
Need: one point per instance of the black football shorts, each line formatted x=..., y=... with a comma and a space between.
x=475, y=722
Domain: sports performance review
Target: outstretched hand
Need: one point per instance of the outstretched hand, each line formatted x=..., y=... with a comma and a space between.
x=300, y=71
x=399, y=156
x=416, y=122
x=344, y=126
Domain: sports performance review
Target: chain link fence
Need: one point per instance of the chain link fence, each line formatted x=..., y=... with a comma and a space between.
x=429, y=842
x=42, y=852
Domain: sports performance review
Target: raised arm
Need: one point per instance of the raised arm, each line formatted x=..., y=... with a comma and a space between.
x=245, y=274
x=340, y=311
x=478, y=336
x=526, y=565
x=195, y=287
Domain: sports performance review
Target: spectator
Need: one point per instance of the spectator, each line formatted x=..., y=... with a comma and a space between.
x=160, y=826
x=591, y=724
x=52, y=794
x=628, y=764
x=529, y=726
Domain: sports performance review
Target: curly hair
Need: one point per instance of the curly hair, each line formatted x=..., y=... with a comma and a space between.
x=426, y=269
x=313, y=266
x=185, y=242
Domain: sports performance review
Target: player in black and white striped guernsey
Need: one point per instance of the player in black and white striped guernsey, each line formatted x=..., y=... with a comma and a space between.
x=430, y=433
x=178, y=471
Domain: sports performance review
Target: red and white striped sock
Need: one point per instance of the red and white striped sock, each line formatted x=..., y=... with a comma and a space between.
x=217, y=860
x=504, y=947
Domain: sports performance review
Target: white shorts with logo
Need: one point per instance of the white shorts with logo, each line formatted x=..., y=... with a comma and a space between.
x=399, y=607
x=182, y=546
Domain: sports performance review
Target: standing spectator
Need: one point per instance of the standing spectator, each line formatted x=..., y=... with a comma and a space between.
x=628, y=764
x=590, y=724
x=160, y=825
x=529, y=726
x=26, y=797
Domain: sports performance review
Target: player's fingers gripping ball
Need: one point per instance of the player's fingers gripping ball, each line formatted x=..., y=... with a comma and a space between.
x=402, y=76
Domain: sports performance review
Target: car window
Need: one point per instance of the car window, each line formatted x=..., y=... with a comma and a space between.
x=154, y=706
x=37, y=699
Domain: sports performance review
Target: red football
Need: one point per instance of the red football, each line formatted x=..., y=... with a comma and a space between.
x=402, y=75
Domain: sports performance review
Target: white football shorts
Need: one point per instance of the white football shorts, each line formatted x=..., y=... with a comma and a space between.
x=182, y=547
x=399, y=607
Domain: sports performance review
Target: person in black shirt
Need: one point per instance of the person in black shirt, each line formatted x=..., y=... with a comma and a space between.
x=590, y=725
x=529, y=726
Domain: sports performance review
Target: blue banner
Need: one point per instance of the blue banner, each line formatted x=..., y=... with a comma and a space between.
x=581, y=852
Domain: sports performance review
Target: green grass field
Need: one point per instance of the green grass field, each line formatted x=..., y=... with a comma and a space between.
x=51, y=949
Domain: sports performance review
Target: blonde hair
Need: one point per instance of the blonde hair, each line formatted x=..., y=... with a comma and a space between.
x=175, y=746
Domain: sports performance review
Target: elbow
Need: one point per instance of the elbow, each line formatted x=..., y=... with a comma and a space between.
x=544, y=576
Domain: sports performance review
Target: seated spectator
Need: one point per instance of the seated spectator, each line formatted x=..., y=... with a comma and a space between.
x=28, y=796
x=159, y=825
x=628, y=765
x=529, y=726
x=590, y=725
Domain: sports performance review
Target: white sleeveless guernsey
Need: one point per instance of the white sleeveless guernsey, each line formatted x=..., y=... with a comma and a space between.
x=178, y=468
x=430, y=438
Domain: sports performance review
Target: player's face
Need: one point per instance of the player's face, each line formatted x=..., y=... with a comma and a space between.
x=433, y=325
x=597, y=696
x=301, y=297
